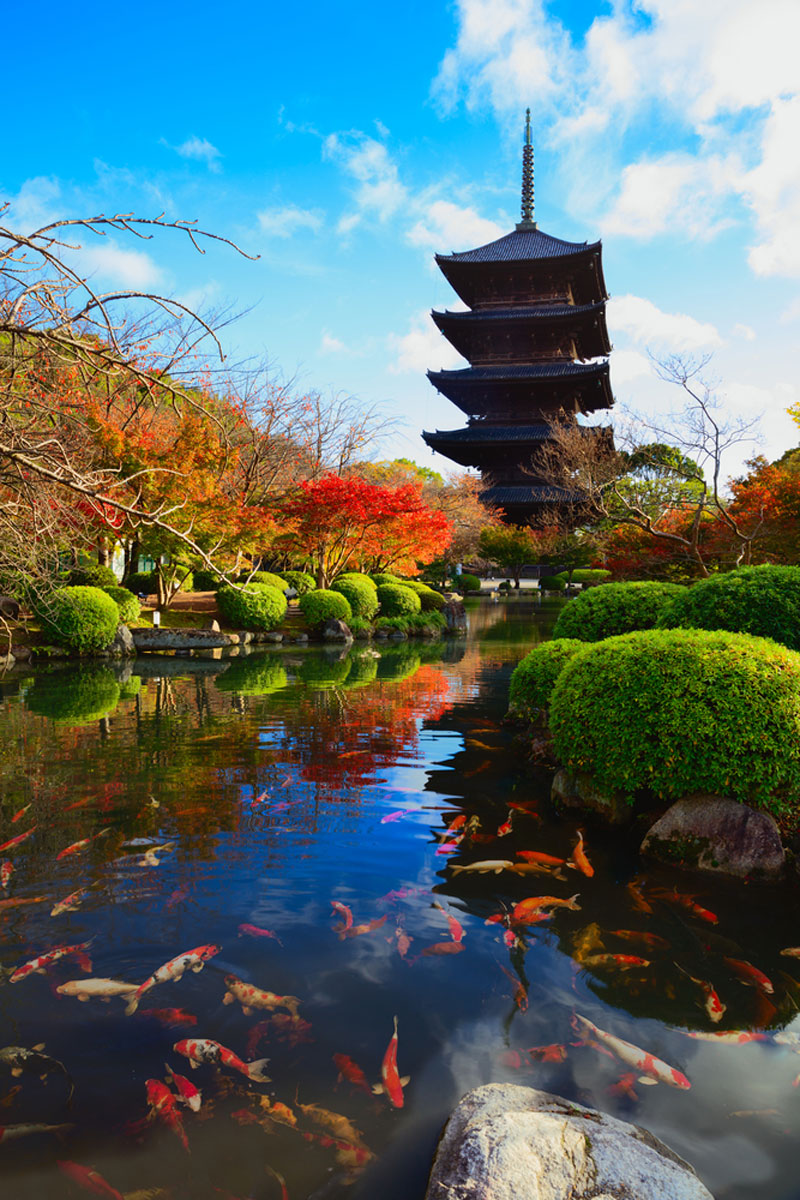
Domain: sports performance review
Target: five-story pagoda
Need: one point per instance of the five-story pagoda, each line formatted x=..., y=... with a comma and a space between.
x=536, y=315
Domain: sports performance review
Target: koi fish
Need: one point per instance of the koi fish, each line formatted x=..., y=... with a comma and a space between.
x=79, y=847
x=204, y=1050
x=251, y=997
x=18, y=840
x=39, y=965
x=731, y=1037
x=791, y=951
x=20, y=1058
x=555, y=1052
x=20, y=814
x=339, y=1125
x=443, y=948
x=258, y=1031
x=88, y=1178
x=653, y=1070
x=634, y=890
x=651, y=940
x=344, y=912
x=623, y=961
x=457, y=823
x=150, y=857
x=177, y=897
x=455, y=927
x=689, y=903
x=749, y=975
x=520, y=991
x=714, y=1007
x=70, y=903
x=580, y=859
x=6, y=871
x=395, y=816
x=352, y=1072
x=9, y=1133
x=534, y=868
x=485, y=866
x=523, y=911
x=392, y=1084
x=367, y=927
x=21, y=902
x=624, y=1086
x=164, y=1107
x=169, y=1016
x=293, y=1030
x=193, y=960
x=538, y=856
x=403, y=941
x=103, y=989
x=257, y=931
x=448, y=847
x=505, y=828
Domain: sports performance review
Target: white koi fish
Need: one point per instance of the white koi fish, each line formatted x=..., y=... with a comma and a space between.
x=652, y=1068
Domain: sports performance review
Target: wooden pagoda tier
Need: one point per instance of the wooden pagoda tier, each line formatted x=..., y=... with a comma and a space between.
x=519, y=394
x=488, y=336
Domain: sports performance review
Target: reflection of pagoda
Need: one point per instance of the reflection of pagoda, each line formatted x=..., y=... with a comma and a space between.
x=536, y=312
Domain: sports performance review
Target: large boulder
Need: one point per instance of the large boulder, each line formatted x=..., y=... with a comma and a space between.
x=578, y=791
x=336, y=630
x=505, y=1142
x=9, y=607
x=710, y=833
x=456, y=616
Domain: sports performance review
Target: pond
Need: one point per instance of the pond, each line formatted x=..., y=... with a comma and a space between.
x=283, y=815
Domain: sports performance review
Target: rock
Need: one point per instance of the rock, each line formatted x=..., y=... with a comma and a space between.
x=506, y=1142
x=397, y=635
x=301, y=637
x=7, y=661
x=9, y=607
x=335, y=630
x=578, y=791
x=21, y=653
x=181, y=639
x=711, y=833
x=456, y=616
x=213, y=625
x=273, y=637
x=122, y=646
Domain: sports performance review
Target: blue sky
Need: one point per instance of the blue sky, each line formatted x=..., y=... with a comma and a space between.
x=346, y=144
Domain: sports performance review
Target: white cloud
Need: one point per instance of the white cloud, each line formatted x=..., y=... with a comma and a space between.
x=645, y=323
x=744, y=333
x=34, y=204
x=446, y=227
x=201, y=150
x=627, y=365
x=773, y=188
x=673, y=192
x=127, y=269
x=423, y=348
x=330, y=344
x=378, y=192
x=283, y=222
x=791, y=312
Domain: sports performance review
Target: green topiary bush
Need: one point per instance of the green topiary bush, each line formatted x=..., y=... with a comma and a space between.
x=589, y=577
x=359, y=577
x=533, y=680
x=269, y=578
x=361, y=594
x=615, y=608
x=398, y=601
x=301, y=581
x=253, y=607
x=319, y=606
x=764, y=601
x=467, y=583
x=141, y=583
x=552, y=583
x=681, y=711
x=430, y=600
x=89, y=575
x=82, y=618
x=128, y=604
x=380, y=580
x=74, y=697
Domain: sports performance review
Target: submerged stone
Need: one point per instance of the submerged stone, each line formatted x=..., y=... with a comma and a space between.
x=579, y=791
x=711, y=833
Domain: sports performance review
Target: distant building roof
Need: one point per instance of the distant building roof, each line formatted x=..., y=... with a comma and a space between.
x=519, y=246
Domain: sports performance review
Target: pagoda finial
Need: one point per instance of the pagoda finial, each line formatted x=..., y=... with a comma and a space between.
x=527, y=221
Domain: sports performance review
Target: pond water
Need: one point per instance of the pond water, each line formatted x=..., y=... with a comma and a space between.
x=289, y=779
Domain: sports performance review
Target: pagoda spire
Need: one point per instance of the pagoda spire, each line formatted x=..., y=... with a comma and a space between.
x=527, y=221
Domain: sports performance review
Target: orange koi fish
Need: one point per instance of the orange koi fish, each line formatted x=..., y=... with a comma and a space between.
x=193, y=960
x=522, y=912
x=624, y=1086
x=634, y=890
x=457, y=823
x=39, y=965
x=367, y=927
x=164, y=1107
x=520, y=991
x=455, y=927
x=580, y=859
x=257, y=931
x=442, y=948
x=352, y=1072
x=251, y=997
x=749, y=975
x=555, y=1052
x=623, y=961
x=18, y=840
x=89, y=1179
x=204, y=1050
x=345, y=913
x=651, y=940
x=653, y=1070
x=403, y=941
x=78, y=847
x=169, y=1016
x=21, y=901
x=186, y=1092
x=70, y=903
x=338, y=1125
x=20, y=814
x=392, y=1084
x=538, y=856
x=6, y=871
x=689, y=903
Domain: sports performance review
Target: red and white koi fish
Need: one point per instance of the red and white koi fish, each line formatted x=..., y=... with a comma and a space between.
x=18, y=840
x=203, y=1050
x=580, y=859
x=88, y=1178
x=70, y=903
x=9, y=1133
x=714, y=1007
x=164, y=1107
x=169, y=1016
x=455, y=927
x=653, y=1070
x=257, y=931
x=749, y=975
x=150, y=858
x=623, y=961
x=40, y=964
x=352, y=1072
x=190, y=960
x=448, y=847
x=20, y=814
x=392, y=1085
x=79, y=847
x=730, y=1037
x=345, y=913
x=527, y=911
x=690, y=904
x=6, y=871
x=251, y=997
x=505, y=828
x=367, y=927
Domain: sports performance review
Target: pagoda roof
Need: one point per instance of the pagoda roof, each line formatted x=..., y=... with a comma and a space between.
x=544, y=370
x=481, y=432
x=535, y=494
x=521, y=245
x=541, y=312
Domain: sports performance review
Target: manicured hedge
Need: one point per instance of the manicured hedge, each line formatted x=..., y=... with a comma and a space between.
x=533, y=680
x=680, y=711
x=141, y=583
x=74, y=697
x=256, y=606
x=552, y=583
x=467, y=583
x=268, y=578
x=361, y=594
x=319, y=606
x=398, y=601
x=205, y=580
x=430, y=600
x=764, y=601
x=301, y=581
x=379, y=580
x=359, y=577
x=588, y=576
x=82, y=618
x=615, y=608
x=89, y=575
x=128, y=604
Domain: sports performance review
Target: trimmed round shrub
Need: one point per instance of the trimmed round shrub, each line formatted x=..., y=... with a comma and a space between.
x=252, y=675
x=467, y=583
x=430, y=600
x=141, y=583
x=319, y=606
x=82, y=618
x=253, y=607
x=74, y=697
x=89, y=575
x=679, y=711
x=358, y=577
x=615, y=608
x=361, y=594
x=205, y=580
x=398, y=601
x=588, y=576
x=128, y=604
x=380, y=580
x=764, y=601
x=301, y=581
x=533, y=680
x=270, y=579
x=552, y=583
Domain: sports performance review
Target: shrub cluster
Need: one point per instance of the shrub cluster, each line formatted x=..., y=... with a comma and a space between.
x=430, y=622
x=430, y=600
x=680, y=711
x=256, y=606
x=128, y=604
x=268, y=578
x=553, y=583
x=82, y=618
x=533, y=680
x=615, y=608
x=141, y=583
x=357, y=575
x=361, y=594
x=588, y=576
x=467, y=583
x=88, y=575
x=379, y=580
x=301, y=581
x=205, y=580
x=398, y=601
x=764, y=601
x=319, y=606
